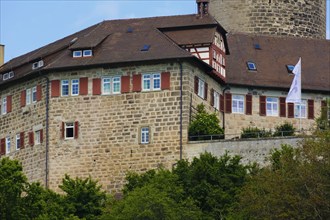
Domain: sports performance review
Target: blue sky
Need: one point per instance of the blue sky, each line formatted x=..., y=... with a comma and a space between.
x=28, y=25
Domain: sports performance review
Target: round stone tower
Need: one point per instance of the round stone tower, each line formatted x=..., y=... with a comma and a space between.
x=300, y=18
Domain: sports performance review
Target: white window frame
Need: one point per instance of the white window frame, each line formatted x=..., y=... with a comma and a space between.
x=11, y=74
x=145, y=135
x=201, y=88
x=65, y=82
x=111, y=81
x=300, y=109
x=5, y=76
x=68, y=125
x=85, y=53
x=34, y=94
x=77, y=53
x=37, y=137
x=238, y=104
x=28, y=96
x=151, y=78
x=18, y=141
x=274, y=106
x=4, y=105
x=74, y=82
x=216, y=100
x=8, y=145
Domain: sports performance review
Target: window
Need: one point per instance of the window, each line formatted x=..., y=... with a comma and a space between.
x=4, y=105
x=18, y=141
x=65, y=87
x=87, y=53
x=28, y=96
x=251, y=66
x=300, y=109
x=201, y=88
x=238, y=104
x=271, y=106
x=290, y=68
x=144, y=135
x=216, y=102
x=111, y=85
x=151, y=82
x=34, y=94
x=5, y=76
x=145, y=47
x=37, y=137
x=77, y=53
x=69, y=130
x=7, y=145
x=11, y=74
x=38, y=64
x=75, y=87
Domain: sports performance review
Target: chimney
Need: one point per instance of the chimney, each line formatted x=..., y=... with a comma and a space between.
x=202, y=7
x=2, y=54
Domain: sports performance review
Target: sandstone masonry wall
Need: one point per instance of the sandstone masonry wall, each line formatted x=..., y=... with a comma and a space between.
x=299, y=18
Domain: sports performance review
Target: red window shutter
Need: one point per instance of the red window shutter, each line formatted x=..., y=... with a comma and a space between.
x=23, y=98
x=21, y=137
x=125, y=84
x=262, y=105
x=228, y=102
x=248, y=100
x=41, y=136
x=205, y=90
x=2, y=147
x=9, y=103
x=97, y=86
x=222, y=103
x=137, y=83
x=55, y=88
x=39, y=93
x=310, y=109
x=290, y=110
x=165, y=80
x=76, y=129
x=63, y=130
x=282, y=107
x=31, y=138
x=83, y=86
x=196, y=85
x=212, y=98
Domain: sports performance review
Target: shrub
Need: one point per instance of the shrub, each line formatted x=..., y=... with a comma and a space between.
x=254, y=132
x=205, y=124
x=285, y=129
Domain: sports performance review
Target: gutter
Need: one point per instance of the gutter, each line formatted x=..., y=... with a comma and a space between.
x=181, y=76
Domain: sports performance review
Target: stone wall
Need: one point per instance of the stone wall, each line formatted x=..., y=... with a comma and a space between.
x=300, y=18
x=251, y=150
x=26, y=119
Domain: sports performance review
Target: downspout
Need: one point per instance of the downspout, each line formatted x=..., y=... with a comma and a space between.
x=181, y=75
x=47, y=132
x=224, y=110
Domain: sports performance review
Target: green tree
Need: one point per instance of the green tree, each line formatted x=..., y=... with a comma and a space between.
x=294, y=186
x=84, y=197
x=205, y=124
x=323, y=122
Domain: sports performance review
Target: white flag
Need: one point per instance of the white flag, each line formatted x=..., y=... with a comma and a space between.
x=294, y=95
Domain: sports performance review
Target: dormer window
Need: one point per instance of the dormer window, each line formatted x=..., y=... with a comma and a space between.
x=8, y=75
x=251, y=66
x=77, y=53
x=87, y=53
x=38, y=64
x=82, y=53
x=290, y=68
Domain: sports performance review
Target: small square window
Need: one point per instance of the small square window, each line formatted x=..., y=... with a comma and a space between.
x=11, y=74
x=145, y=47
x=290, y=68
x=251, y=66
x=77, y=53
x=87, y=53
x=5, y=76
x=35, y=65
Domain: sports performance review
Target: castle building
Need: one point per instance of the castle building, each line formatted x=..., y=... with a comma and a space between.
x=117, y=96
